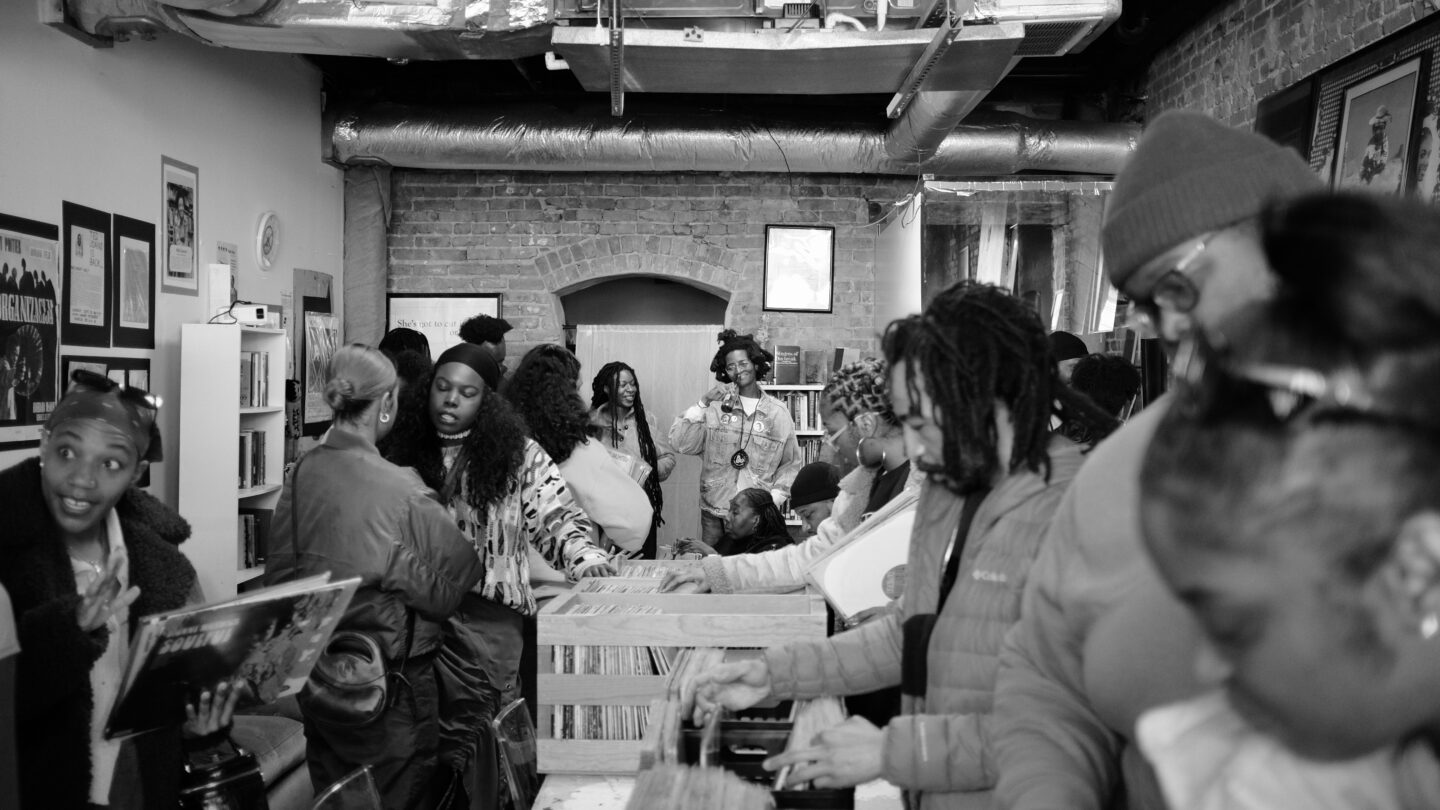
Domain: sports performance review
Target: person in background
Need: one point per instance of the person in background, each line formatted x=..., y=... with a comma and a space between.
x=975, y=385
x=1099, y=639
x=542, y=390
x=347, y=511
x=745, y=437
x=9, y=650
x=813, y=494
x=1291, y=499
x=868, y=447
x=404, y=339
x=83, y=555
x=752, y=526
x=507, y=496
x=1108, y=379
x=1068, y=349
x=617, y=413
x=489, y=334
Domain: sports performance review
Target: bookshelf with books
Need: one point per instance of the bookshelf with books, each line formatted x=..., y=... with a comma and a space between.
x=803, y=400
x=232, y=435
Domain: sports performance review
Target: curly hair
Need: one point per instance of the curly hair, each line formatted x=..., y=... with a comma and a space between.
x=976, y=344
x=602, y=395
x=542, y=389
x=490, y=459
x=731, y=341
x=484, y=329
x=861, y=387
x=1108, y=379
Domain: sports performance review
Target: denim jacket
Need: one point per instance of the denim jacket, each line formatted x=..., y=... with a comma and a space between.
x=768, y=436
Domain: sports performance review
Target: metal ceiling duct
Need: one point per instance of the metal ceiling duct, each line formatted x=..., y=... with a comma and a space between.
x=535, y=138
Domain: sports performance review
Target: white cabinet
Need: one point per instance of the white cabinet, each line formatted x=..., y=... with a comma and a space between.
x=213, y=415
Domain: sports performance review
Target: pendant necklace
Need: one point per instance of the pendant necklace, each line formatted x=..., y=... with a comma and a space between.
x=741, y=459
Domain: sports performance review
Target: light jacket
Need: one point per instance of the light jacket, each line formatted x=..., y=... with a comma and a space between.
x=359, y=515
x=715, y=435
x=784, y=569
x=614, y=502
x=940, y=744
x=627, y=438
x=1100, y=640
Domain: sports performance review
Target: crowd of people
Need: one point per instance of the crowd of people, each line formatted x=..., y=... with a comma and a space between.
x=1230, y=599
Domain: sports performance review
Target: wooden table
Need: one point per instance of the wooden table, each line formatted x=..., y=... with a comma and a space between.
x=574, y=792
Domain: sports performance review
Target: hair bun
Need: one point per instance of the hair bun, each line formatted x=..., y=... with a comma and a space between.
x=726, y=336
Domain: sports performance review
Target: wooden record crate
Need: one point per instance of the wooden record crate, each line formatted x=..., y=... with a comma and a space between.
x=732, y=621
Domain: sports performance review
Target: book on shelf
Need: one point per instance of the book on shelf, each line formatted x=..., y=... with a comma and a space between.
x=786, y=368
x=815, y=366
x=253, y=526
x=269, y=638
x=252, y=458
x=866, y=568
x=254, y=379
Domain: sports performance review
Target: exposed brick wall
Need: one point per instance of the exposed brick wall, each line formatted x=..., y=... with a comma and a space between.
x=534, y=236
x=1248, y=49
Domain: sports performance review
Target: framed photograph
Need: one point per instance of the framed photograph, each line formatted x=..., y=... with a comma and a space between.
x=85, y=302
x=180, y=203
x=1377, y=145
x=438, y=316
x=321, y=339
x=31, y=286
x=799, y=268
x=133, y=299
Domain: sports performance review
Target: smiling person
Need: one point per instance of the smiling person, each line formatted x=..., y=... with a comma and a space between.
x=975, y=385
x=744, y=436
x=84, y=555
x=507, y=496
x=1291, y=497
x=617, y=414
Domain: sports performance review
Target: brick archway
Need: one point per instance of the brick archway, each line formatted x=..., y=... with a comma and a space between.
x=689, y=260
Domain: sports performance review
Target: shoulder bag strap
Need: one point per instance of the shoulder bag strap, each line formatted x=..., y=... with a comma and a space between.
x=956, y=549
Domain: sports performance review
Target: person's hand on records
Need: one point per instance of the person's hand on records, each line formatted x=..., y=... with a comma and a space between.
x=213, y=709
x=603, y=569
x=688, y=545
x=690, y=579
x=840, y=756
x=733, y=685
x=104, y=597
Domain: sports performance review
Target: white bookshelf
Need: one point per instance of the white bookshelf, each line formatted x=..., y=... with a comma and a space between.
x=809, y=438
x=211, y=419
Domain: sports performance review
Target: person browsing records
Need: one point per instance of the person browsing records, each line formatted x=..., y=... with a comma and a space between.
x=745, y=437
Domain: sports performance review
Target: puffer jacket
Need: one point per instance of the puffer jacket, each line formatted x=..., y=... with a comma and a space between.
x=360, y=515
x=715, y=435
x=784, y=569
x=940, y=745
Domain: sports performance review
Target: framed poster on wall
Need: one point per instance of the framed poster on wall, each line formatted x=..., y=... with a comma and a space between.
x=799, y=268
x=180, y=229
x=133, y=299
x=85, y=304
x=31, y=285
x=1376, y=147
x=438, y=316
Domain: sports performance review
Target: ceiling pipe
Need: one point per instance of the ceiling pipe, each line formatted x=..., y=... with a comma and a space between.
x=539, y=138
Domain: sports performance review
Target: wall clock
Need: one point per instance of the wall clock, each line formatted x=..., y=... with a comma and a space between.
x=267, y=240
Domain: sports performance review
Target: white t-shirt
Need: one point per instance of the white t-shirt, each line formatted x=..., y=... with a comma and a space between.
x=109, y=668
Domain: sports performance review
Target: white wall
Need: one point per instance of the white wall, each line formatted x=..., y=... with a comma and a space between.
x=89, y=126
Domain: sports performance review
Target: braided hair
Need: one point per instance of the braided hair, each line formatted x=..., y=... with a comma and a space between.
x=976, y=344
x=490, y=459
x=604, y=395
x=731, y=341
x=772, y=523
x=861, y=387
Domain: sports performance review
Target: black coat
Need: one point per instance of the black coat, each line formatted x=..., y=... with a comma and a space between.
x=53, y=695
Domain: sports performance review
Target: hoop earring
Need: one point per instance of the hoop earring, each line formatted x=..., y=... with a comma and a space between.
x=860, y=458
x=384, y=417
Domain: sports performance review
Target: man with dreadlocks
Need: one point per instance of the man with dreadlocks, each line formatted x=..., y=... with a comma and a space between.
x=975, y=384
x=745, y=437
x=617, y=414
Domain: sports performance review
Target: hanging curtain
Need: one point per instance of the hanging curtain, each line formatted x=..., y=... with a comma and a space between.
x=673, y=366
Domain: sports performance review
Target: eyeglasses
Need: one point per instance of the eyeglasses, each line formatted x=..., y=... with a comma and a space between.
x=1174, y=291
x=737, y=366
x=831, y=440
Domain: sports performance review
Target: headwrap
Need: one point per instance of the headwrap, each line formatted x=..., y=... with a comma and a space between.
x=475, y=357
x=130, y=413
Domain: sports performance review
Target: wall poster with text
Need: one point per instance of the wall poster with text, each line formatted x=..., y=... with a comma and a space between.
x=29, y=330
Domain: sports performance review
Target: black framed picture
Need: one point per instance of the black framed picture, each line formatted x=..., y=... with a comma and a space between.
x=799, y=268
x=133, y=297
x=1377, y=145
x=320, y=337
x=438, y=316
x=29, y=329
x=85, y=311
x=180, y=206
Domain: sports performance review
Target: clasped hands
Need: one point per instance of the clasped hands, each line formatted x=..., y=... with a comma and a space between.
x=843, y=755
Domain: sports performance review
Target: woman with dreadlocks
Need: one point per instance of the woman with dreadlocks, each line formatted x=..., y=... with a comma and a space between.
x=974, y=384
x=617, y=414
x=507, y=496
x=745, y=437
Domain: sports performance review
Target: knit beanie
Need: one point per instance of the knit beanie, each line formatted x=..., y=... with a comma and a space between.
x=1191, y=174
x=815, y=482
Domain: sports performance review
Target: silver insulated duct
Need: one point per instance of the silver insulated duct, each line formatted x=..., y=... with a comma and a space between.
x=539, y=138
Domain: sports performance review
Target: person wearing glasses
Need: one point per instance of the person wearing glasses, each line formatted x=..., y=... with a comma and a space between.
x=744, y=437
x=1291, y=501
x=83, y=555
x=1099, y=640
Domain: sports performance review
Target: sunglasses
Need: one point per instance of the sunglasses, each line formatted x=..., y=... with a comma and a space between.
x=95, y=381
x=1175, y=290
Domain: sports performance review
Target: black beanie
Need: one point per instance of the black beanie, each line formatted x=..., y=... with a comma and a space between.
x=814, y=483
